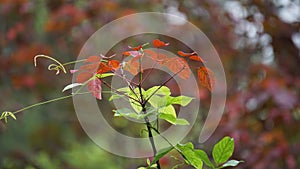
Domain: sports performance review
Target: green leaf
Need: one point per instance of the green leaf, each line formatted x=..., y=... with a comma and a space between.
x=161, y=153
x=223, y=150
x=136, y=95
x=187, y=151
x=164, y=91
x=158, y=101
x=103, y=75
x=231, y=163
x=125, y=112
x=167, y=113
x=142, y=168
x=168, y=110
x=203, y=156
x=124, y=89
x=115, y=96
x=181, y=121
x=181, y=100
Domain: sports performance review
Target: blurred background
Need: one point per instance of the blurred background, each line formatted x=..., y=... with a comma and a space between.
x=258, y=43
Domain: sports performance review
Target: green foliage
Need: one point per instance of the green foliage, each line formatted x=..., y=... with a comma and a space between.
x=191, y=158
x=223, y=150
x=160, y=101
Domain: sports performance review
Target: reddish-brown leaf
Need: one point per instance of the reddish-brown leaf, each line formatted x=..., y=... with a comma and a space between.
x=158, y=43
x=179, y=65
x=92, y=67
x=159, y=58
x=206, y=77
x=132, y=67
x=192, y=56
x=83, y=77
x=93, y=59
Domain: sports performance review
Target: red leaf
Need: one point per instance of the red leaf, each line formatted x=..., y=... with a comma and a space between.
x=132, y=67
x=192, y=56
x=206, y=77
x=83, y=77
x=136, y=48
x=93, y=59
x=132, y=53
x=114, y=64
x=160, y=58
x=180, y=53
x=179, y=65
x=94, y=86
x=103, y=68
x=89, y=67
x=196, y=58
x=158, y=44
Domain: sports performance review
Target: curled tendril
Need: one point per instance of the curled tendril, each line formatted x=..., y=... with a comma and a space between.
x=6, y=114
x=57, y=67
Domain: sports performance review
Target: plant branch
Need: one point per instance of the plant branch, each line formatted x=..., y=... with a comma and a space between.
x=164, y=83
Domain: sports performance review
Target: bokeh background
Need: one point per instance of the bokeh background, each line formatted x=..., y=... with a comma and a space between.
x=258, y=43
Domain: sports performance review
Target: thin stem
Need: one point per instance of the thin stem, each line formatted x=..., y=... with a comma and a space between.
x=42, y=103
x=120, y=93
x=164, y=83
x=76, y=61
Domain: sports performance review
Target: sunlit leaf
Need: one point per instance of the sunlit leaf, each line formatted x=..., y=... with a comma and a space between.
x=164, y=91
x=187, y=150
x=223, y=150
x=181, y=100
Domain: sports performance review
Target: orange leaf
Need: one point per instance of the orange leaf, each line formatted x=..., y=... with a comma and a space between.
x=160, y=58
x=206, y=77
x=192, y=56
x=114, y=64
x=103, y=68
x=180, y=53
x=158, y=44
x=196, y=58
x=132, y=67
x=179, y=65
